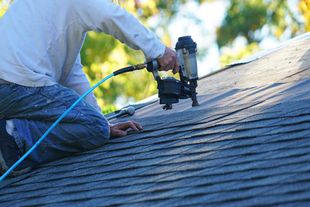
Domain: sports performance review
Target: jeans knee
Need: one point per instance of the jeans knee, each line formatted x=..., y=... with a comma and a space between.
x=100, y=132
x=103, y=130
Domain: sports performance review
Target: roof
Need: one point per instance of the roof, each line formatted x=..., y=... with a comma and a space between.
x=248, y=143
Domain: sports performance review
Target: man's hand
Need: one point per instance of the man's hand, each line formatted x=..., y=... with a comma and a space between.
x=169, y=61
x=120, y=129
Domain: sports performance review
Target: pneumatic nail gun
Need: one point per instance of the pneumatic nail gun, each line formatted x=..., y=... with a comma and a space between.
x=170, y=90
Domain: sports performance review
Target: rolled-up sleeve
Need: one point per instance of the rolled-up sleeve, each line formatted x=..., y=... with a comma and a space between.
x=107, y=17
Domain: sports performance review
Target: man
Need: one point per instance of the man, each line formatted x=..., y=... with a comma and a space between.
x=41, y=76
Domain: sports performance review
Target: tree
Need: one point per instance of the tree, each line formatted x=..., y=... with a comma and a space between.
x=4, y=5
x=254, y=20
x=304, y=8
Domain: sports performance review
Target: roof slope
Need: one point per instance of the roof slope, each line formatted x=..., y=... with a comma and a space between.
x=248, y=143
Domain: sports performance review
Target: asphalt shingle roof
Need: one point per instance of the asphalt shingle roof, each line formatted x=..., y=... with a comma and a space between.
x=248, y=143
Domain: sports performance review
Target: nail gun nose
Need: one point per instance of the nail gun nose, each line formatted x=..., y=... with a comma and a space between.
x=130, y=110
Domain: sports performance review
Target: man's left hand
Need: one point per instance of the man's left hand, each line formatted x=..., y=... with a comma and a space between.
x=120, y=129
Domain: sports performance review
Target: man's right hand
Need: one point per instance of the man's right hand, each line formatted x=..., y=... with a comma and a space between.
x=169, y=61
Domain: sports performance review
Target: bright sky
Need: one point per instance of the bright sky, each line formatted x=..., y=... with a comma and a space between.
x=209, y=16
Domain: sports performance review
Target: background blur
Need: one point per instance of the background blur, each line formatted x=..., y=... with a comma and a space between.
x=224, y=30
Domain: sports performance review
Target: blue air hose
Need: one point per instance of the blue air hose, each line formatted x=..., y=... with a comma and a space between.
x=120, y=71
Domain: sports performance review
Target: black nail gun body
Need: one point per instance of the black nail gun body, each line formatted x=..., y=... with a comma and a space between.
x=170, y=90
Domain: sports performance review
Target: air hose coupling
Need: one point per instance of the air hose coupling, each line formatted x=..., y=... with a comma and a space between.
x=130, y=68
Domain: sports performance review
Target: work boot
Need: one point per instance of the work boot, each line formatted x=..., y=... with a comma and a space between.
x=9, y=152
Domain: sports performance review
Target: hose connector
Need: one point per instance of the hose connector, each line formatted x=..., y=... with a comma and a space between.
x=130, y=68
x=140, y=66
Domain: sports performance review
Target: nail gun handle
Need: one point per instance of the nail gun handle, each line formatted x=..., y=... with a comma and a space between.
x=153, y=67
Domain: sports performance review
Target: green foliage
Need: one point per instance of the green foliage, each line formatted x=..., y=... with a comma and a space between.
x=101, y=55
x=3, y=7
x=256, y=19
x=304, y=8
x=243, y=18
x=247, y=18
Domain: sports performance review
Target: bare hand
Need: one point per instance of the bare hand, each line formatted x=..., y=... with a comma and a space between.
x=120, y=129
x=169, y=61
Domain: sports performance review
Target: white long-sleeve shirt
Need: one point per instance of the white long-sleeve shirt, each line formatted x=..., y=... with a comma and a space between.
x=40, y=40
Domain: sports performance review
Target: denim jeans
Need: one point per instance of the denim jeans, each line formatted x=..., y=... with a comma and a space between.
x=34, y=109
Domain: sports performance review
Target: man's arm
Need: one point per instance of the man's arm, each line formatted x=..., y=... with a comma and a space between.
x=107, y=17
